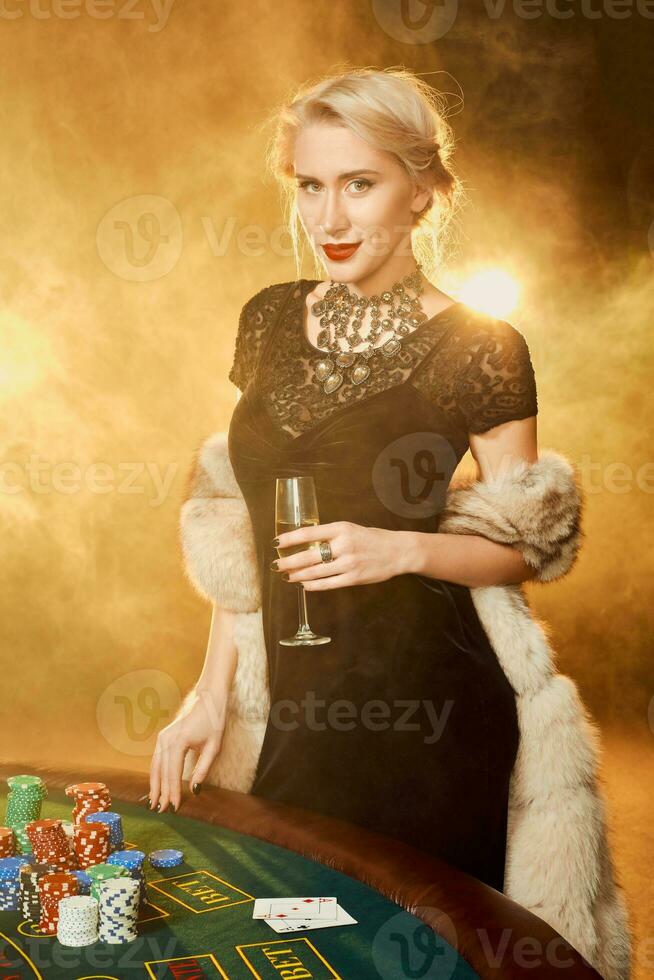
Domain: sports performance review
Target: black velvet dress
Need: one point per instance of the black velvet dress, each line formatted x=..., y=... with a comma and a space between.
x=405, y=723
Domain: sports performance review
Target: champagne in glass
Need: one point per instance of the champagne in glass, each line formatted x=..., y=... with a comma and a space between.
x=296, y=506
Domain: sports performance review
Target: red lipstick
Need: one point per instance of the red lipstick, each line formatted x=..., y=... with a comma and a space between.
x=338, y=253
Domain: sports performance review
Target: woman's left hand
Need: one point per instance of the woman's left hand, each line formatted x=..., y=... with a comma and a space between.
x=362, y=555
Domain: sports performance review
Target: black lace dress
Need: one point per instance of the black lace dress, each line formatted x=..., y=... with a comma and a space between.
x=405, y=723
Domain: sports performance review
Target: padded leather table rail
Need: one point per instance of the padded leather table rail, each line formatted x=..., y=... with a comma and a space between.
x=250, y=847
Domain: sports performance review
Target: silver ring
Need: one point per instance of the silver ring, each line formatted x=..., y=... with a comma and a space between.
x=325, y=551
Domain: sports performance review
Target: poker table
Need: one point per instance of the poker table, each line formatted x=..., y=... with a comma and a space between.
x=417, y=917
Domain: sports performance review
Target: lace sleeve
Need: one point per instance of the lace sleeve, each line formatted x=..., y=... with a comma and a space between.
x=251, y=329
x=496, y=382
x=257, y=317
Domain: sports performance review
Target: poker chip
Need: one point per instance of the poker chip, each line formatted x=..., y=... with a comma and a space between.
x=89, y=798
x=30, y=904
x=24, y=800
x=119, y=906
x=10, y=883
x=78, y=920
x=84, y=880
x=91, y=843
x=115, y=824
x=52, y=888
x=100, y=873
x=166, y=858
x=50, y=843
x=7, y=842
x=132, y=860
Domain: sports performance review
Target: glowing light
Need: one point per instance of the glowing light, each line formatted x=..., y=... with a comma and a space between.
x=492, y=291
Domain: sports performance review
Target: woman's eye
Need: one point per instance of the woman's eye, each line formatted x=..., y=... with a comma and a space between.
x=363, y=181
x=304, y=184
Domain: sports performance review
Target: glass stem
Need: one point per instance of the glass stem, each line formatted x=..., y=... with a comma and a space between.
x=302, y=609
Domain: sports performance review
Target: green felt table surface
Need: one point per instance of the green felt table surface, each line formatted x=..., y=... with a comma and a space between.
x=199, y=920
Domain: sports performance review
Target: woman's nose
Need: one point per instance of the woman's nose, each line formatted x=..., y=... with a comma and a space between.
x=333, y=219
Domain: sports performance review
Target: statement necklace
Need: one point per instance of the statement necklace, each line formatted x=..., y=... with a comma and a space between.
x=340, y=309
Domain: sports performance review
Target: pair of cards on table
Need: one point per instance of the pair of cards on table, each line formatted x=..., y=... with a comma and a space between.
x=300, y=914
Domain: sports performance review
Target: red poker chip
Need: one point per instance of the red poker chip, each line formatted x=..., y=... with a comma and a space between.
x=82, y=788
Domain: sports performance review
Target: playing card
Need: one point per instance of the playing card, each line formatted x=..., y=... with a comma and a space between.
x=343, y=918
x=295, y=908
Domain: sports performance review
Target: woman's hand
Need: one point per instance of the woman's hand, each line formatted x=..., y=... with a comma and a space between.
x=201, y=727
x=362, y=555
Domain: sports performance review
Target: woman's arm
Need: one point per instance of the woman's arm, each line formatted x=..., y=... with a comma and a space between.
x=466, y=559
x=200, y=722
x=221, y=657
x=470, y=559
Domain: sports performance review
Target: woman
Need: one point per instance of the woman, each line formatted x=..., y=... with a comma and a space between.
x=405, y=722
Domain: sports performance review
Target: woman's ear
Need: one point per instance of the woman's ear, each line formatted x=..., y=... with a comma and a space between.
x=423, y=198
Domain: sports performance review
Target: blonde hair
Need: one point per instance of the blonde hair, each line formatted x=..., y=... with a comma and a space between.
x=393, y=110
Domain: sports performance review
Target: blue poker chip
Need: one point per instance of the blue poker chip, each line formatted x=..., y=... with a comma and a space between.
x=85, y=881
x=166, y=858
x=131, y=859
x=10, y=868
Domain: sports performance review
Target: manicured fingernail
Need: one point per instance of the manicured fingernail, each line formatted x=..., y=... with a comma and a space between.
x=275, y=565
x=171, y=806
x=149, y=802
x=196, y=788
x=275, y=542
x=158, y=807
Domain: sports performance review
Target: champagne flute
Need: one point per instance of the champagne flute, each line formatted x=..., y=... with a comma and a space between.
x=296, y=506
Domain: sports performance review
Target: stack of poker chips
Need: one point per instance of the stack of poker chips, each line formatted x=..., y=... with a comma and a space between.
x=89, y=798
x=7, y=842
x=91, y=843
x=30, y=904
x=51, y=844
x=24, y=799
x=52, y=888
x=133, y=861
x=10, y=883
x=119, y=909
x=100, y=873
x=78, y=921
x=115, y=824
